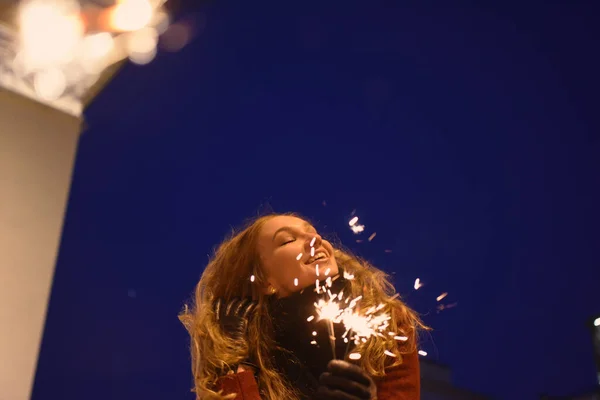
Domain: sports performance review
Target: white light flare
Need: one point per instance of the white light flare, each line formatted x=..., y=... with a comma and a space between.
x=95, y=51
x=142, y=45
x=312, y=242
x=423, y=353
x=295, y=281
x=50, y=84
x=418, y=284
x=357, y=228
x=442, y=296
x=252, y=278
x=299, y=256
x=49, y=33
x=353, y=221
x=131, y=15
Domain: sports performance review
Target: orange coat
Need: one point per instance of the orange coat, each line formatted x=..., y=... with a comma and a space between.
x=399, y=383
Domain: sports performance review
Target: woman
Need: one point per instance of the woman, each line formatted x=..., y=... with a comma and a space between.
x=252, y=336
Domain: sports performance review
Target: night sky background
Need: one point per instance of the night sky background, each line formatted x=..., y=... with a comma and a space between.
x=466, y=136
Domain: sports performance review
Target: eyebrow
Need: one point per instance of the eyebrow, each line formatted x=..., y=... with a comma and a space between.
x=289, y=228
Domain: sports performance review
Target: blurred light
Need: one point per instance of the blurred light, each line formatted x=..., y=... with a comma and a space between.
x=353, y=221
x=95, y=51
x=131, y=15
x=442, y=296
x=597, y=322
x=423, y=353
x=49, y=33
x=161, y=21
x=354, y=356
x=141, y=45
x=50, y=84
x=176, y=37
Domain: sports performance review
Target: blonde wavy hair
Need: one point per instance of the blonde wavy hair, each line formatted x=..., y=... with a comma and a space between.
x=227, y=275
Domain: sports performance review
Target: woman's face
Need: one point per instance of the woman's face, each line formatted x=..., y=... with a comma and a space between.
x=285, y=245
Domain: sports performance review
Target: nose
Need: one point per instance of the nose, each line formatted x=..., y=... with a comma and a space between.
x=312, y=240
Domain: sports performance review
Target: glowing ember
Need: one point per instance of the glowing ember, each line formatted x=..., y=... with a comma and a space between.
x=372, y=236
x=353, y=221
x=357, y=228
x=418, y=284
x=441, y=296
x=423, y=353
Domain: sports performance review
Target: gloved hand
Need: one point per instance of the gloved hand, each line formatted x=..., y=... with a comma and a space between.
x=345, y=381
x=233, y=316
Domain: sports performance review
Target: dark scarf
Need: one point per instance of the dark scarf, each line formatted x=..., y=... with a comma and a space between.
x=294, y=333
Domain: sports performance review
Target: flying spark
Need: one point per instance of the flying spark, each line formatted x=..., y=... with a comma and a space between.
x=372, y=236
x=299, y=256
x=418, y=284
x=312, y=242
x=251, y=278
x=357, y=228
x=353, y=221
x=441, y=296
x=295, y=281
x=423, y=353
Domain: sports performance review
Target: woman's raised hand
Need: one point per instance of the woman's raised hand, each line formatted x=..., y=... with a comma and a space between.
x=233, y=316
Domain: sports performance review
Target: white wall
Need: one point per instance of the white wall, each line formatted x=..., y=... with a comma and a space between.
x=37, y=150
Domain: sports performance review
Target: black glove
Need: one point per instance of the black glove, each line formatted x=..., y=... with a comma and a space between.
x=345, y=381
x=233, y=316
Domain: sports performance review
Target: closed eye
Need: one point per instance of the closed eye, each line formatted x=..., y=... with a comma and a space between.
x=288, y=241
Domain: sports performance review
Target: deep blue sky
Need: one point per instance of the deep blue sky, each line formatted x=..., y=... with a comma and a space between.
x=465, y=136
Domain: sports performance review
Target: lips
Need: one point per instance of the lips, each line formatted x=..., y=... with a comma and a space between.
x=319, y=255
